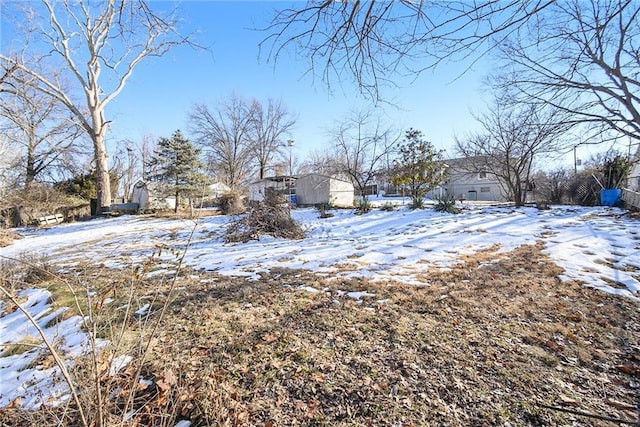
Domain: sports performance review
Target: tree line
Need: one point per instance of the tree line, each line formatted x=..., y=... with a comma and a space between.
x=566, y=76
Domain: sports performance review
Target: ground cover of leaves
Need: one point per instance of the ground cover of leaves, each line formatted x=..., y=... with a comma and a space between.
x=496, y=340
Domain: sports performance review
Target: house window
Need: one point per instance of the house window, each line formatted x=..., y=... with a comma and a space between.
x=482, y=175
x=485, y=189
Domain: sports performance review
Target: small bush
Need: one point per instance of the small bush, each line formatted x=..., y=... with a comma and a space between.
x=232, y=204
x=271, y=216
x=447, y=204
x=363, y=206
x=388, y=207
x=417, y=203
x=28, y=269
x=324, y=209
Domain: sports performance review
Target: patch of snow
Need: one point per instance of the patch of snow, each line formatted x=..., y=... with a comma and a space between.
x=118, y=364
x=142, y=311
x=359, y=295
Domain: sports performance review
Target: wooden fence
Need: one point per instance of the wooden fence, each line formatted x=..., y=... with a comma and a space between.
x=631, y=198
x=50, y=219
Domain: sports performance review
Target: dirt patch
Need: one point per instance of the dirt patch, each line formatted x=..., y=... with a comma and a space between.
x=496, y=340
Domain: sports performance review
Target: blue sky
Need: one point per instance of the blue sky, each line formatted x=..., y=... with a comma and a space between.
x=162, y=90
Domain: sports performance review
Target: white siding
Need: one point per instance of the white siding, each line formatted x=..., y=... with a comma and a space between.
x=314, y=189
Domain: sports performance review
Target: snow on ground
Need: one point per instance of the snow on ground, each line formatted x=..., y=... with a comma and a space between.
x=599, y=247
x=27, y=376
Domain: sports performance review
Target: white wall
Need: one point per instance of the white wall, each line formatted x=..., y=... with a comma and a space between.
x=314, y=189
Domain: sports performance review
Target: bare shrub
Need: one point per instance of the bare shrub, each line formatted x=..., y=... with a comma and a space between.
x=27, y=270
x=7, y=237
x=22, y=207
x=271, y=216
x=232, y=204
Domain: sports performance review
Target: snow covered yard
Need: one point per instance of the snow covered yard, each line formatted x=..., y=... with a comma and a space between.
x=596, y=246
x=404, y=272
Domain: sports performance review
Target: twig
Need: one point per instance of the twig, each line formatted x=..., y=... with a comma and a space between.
x=147, y=348
x=590, y=415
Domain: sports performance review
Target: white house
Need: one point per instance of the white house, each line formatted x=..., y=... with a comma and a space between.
x=314, y=189
x=477, y=186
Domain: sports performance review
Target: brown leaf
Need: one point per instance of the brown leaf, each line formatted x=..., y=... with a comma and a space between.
x=14, y=403
x=627, y=369
x=166, y=380
x=270, y=337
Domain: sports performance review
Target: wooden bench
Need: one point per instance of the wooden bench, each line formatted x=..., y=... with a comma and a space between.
x=50, y=219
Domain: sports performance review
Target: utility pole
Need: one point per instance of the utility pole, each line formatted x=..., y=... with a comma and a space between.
x=290, y=144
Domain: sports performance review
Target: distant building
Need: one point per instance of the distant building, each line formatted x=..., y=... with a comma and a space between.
x=147, y=197
x=218, y=189
x=481, y=185
x=631, y=194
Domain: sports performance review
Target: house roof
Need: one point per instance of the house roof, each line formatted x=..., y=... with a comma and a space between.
x=219, y=186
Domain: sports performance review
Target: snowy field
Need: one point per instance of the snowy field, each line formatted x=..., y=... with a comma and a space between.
x=599, y=247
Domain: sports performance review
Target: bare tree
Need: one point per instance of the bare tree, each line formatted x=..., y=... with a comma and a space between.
x=268, y=129
x=362, y=143
x=225, y=134
x=375, y=40
x=321, y=161
x=511, y=140
x=127, y=167
x=99, y=44
x=48, y=138
x=583, y=59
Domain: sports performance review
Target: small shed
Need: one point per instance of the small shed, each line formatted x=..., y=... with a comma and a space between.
x=218, y=189
x=146, y=196
x=315, y=189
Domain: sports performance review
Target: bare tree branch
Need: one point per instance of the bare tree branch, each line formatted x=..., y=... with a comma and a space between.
x=585, y=61
x=269, y=128
x=373, y=41
x=225, y=134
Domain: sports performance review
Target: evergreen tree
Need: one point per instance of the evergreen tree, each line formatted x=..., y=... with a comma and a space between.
x=418, y=167
x=176, y=166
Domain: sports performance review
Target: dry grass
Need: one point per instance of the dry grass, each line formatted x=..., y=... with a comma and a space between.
x=7, y=237
x=487, y=343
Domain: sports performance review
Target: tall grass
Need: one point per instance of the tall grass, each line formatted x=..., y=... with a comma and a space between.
x=102, y=390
